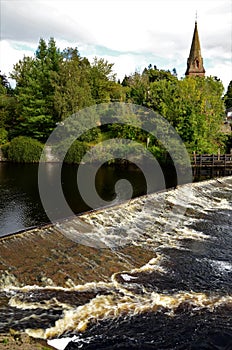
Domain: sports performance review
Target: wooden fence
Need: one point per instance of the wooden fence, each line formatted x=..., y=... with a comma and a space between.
x=212, y=160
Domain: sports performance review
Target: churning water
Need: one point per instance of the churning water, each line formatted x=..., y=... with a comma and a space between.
x=161, y=277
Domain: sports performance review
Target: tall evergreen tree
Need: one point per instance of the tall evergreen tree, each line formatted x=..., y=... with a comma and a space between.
x=228, y=96
x=7, y=104
x=35, y=92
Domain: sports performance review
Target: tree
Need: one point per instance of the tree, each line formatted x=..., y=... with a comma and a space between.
x=102, y=79
x=7, y=104
x=228, y=96
x=35, y=92
x=72, y=90
x=155, y=74
x=3, y=100
x=195, y=108
x=4, y=84
x=138, y=85
x=137, y=88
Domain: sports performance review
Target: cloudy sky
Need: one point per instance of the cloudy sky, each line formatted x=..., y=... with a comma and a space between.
x=129, y=33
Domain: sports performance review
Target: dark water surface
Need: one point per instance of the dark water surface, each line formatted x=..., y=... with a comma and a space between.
x=21, y=207
x=20, y=204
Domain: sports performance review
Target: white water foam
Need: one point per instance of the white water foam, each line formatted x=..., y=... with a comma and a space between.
x=149, y=231
x=61, y=343
x=221, y=266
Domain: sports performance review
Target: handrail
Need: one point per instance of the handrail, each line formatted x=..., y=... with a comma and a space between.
x=211, y=160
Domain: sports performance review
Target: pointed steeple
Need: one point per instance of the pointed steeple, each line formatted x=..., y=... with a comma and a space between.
x=195, y=61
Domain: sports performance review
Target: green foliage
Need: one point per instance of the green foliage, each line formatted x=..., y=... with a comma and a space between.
x=23, y=149
x=90, y=135
x=228, y=96
x=139, y=85
x=119, y=152
x=125, y=131
x=102, y=80
x=75, y=152
x=131, y=129
x=137, y=88
x=194, y=107
x=35, y=93
x=54, y=85
x=3, y=136
x=7, y=103
x=5, y=149
x=117, y=92
x=72, y=90
x=155, y=74
x=158, y=152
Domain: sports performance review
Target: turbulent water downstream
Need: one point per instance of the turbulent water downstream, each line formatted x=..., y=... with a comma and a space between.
x=153, y=273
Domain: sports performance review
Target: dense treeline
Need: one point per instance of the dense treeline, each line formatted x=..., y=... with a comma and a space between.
x=55, y=84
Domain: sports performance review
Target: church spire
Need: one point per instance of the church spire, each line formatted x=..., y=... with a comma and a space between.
x=195, y=61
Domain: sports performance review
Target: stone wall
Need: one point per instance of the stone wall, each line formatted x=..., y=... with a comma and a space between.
x=2, y=159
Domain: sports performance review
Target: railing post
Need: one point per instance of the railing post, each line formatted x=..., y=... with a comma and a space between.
x=195, y=158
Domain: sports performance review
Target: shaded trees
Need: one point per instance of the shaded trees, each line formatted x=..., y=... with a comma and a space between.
x=7, y=108
x=228, y=96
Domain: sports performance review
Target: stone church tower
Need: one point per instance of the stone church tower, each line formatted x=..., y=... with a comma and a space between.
x=195, y=61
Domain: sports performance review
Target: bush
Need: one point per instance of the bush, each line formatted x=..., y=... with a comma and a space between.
x=24, y=149
x=75, y=152
x=158, y=152
x=90, y=135
x=3, y=136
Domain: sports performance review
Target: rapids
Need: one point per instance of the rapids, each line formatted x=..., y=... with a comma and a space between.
x=151, y=273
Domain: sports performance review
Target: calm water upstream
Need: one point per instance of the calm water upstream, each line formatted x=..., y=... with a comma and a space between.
x=20, y=205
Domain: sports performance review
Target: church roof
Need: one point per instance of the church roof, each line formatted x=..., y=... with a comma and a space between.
x=195, y=47
x=195, y=61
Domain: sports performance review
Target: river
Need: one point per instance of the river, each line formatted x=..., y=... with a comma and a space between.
x=20, y=204
x=163, y=280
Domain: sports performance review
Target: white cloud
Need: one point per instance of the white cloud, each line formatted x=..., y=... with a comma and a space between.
x=131, y=33
x=11, y=55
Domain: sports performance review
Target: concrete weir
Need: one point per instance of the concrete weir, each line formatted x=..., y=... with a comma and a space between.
x=45, y=256
x=60, y=254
